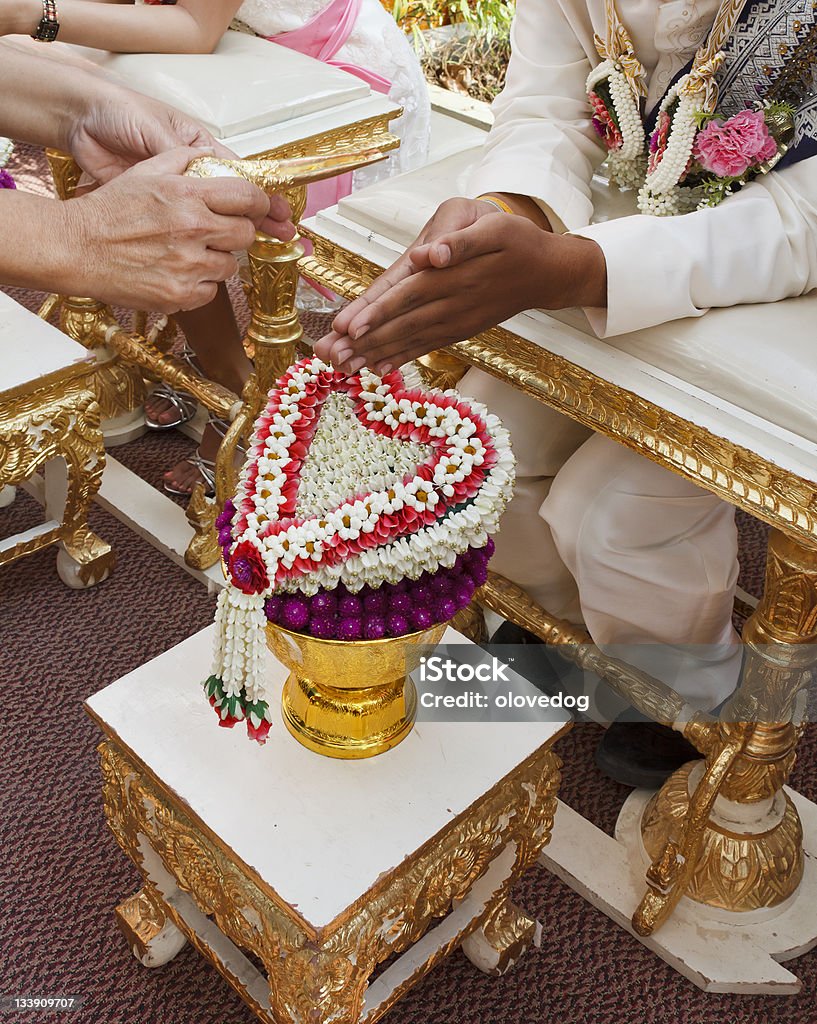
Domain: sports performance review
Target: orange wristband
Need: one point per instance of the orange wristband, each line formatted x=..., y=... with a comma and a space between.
x=500, y=204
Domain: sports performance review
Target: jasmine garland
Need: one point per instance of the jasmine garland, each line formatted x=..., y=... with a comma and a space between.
x=363, y=511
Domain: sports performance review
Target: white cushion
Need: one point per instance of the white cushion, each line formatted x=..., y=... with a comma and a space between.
x=247, y=83
x=30, y=348
x=757, y=357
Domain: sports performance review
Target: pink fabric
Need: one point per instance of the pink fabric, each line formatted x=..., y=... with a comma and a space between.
x=322, y=36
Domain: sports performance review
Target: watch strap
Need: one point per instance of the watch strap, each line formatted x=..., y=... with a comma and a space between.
x=49, y=26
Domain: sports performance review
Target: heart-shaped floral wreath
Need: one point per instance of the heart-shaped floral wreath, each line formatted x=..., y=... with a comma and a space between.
x=353, y=486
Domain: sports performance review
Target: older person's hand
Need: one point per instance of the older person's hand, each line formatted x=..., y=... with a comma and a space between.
x=152, y=238
x=118, y=128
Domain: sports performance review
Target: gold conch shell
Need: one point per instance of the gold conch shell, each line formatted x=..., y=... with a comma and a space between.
x=276, y=175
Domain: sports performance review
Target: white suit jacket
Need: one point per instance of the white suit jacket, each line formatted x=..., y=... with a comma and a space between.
x=760, y=245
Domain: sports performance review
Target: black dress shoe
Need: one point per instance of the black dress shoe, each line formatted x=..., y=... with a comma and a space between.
x=641, y=753
x=531, y=660
x=541, y=664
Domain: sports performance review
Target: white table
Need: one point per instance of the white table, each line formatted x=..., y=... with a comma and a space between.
x=321, y=868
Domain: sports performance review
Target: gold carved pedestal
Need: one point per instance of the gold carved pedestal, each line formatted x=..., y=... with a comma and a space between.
x=323, y=977
x=53, y=424
x=724, y=832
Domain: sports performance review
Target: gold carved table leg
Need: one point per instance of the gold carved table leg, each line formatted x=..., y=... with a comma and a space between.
x=56, y=427
x=151, y=935
x=725, y=833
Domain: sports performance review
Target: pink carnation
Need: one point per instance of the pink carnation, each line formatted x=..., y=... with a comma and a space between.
x=729, y=148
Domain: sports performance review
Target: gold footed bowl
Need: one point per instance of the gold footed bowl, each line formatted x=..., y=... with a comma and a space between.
x=349, y=699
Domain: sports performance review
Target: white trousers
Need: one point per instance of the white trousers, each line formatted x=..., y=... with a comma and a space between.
x=600, y=535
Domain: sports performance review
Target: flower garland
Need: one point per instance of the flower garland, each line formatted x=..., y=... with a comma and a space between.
x=356, y=493
x=693, y=158
x=617, y=121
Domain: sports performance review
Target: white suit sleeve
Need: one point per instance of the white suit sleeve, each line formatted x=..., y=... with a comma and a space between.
x=759, y=245
x=542, y=143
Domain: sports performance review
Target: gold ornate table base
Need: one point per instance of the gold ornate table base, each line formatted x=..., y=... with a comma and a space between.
x=193, y=891
x=53, y=424
x=298, y=876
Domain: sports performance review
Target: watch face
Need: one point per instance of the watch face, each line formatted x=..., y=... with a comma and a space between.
x=47, y=31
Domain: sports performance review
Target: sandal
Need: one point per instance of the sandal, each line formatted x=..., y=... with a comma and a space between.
x=207, y=472
x=206, y=467
x=183, y=402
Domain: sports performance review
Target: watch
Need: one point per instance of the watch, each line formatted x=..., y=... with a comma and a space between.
x=49, y=25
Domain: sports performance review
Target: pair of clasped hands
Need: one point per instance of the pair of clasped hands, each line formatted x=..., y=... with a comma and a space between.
x=471, y=267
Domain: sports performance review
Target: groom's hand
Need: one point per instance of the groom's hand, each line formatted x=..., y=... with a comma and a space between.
x=452, y=215
x=464, y=282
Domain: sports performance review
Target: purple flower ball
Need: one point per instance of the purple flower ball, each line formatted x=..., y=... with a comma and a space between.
x=400, y=587
x=272, y=608
x=397, y=625
x=441, y=584
x=489, y=548
x=225, y=536
x=322, y=627
x=350, y=628
x=463, y=592
x=350, y=606
x=421, y=618
x=294, y=613
x=374, y=628
x=400, y=604
x=224, y=517
x=6, y=180
x=445, y=609
x=375, y=603
x=323, y=603
x=421, y=594
x=480, y=573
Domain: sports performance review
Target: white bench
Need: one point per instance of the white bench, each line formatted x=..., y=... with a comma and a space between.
x=49, y=420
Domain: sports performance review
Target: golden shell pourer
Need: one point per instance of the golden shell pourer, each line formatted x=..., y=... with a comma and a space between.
x=277, y=175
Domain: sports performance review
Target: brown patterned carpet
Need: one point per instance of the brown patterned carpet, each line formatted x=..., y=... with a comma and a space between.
x=64, y=873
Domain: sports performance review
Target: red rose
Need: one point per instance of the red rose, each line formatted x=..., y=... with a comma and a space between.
x=247, y=569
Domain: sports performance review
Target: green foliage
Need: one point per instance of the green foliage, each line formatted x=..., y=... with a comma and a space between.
x=486, y=17
x=715, y=190
x=472, y=60
x=703, y=117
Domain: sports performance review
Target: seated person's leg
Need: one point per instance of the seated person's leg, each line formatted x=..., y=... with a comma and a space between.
x=542, y=441
x=655, y=559
x=213, y=335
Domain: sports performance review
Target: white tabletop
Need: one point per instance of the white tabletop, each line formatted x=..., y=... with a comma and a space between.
x=30, y=348
x=247, y=83
x=319, y=831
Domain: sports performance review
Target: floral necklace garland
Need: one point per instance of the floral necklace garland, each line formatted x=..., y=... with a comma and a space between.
x=6, y=149
x=303, y=519
x=692, y=158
